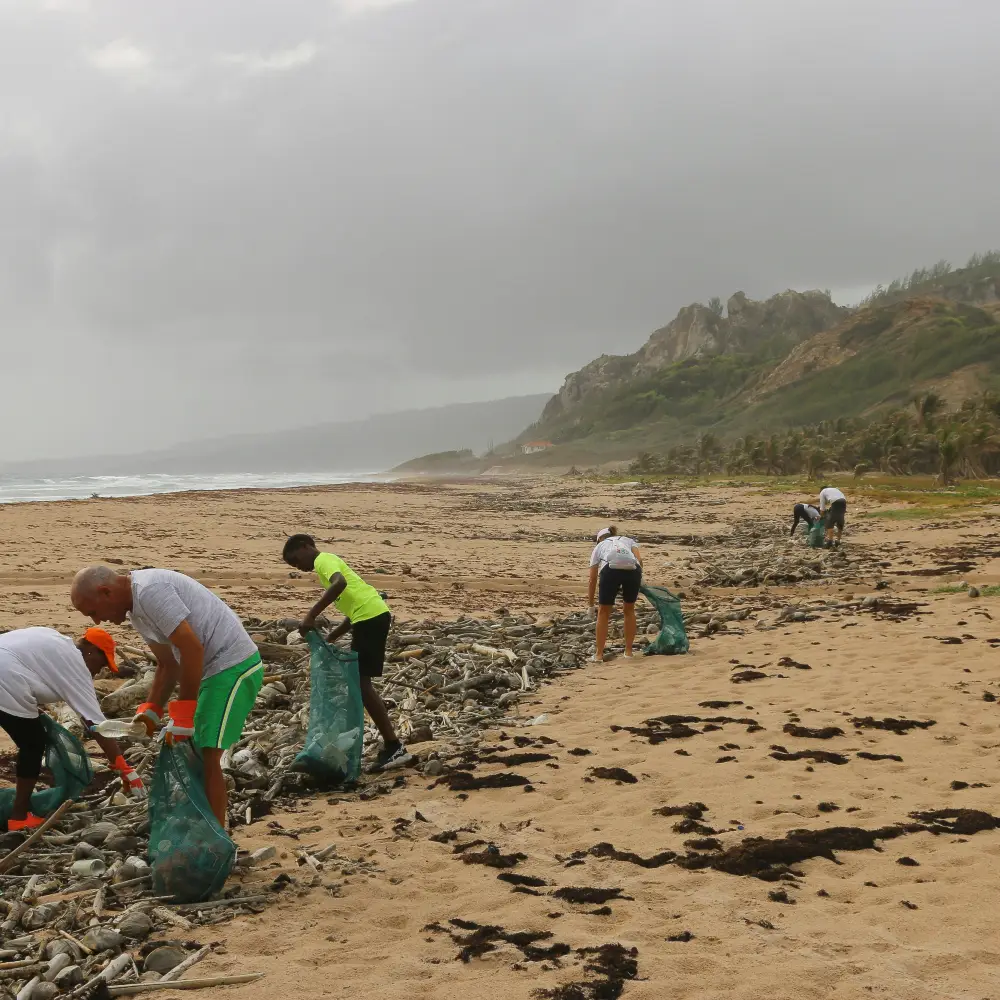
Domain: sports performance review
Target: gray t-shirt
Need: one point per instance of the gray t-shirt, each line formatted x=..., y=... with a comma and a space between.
x=162, y=599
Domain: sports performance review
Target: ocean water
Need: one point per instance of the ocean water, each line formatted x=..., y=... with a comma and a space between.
x=14, y=490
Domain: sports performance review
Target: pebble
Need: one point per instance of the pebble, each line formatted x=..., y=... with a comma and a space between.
x=164, y=959
x=97, y=834
x=71, y=976
x=103, y=939
x=135, y=925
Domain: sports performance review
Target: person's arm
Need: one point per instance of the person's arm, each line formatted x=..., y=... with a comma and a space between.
x=796, y=514
x=337, y=586
x=592, y=587
x=192, y=662
x=637, y=552
x=822, y=502
x=131, y=781
x=168, y=672
x=110, y=747
x=342, y=629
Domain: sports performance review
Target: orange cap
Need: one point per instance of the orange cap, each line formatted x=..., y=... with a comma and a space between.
x=103, y=641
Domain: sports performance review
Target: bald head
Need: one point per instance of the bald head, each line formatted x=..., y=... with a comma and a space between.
x=102, y=594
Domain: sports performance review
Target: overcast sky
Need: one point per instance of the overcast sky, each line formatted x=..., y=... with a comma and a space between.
x=248, y=214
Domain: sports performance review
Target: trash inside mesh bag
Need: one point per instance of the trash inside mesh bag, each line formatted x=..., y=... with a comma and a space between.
x=332, y=752
x=672, y=638
x=189, y=852
x=817, y=533
x=71, y=773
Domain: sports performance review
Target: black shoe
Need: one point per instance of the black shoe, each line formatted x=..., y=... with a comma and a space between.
x=391, y=758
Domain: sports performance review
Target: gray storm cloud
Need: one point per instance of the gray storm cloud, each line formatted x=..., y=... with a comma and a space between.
x=248, y=215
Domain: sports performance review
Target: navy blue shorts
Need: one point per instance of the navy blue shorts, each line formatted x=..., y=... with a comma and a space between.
x=611, y=582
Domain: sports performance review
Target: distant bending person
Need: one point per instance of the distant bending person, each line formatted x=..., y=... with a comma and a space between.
x=833, y=504
x=38, y=666
x=615, y=568
x=201, y=648
x=804, y=512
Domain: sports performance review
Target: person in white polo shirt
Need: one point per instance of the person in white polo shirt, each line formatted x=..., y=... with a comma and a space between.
x=615, y=568
x=833, y=504
x=39, y=666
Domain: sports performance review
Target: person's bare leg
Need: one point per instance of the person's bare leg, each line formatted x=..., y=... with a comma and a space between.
x=629, y=610
x=603, y=619
x=215, y=783
x=375, y=707
x=22, y=797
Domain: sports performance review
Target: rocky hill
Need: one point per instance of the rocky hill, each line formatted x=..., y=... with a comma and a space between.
x=768, y=329
x=793, y=359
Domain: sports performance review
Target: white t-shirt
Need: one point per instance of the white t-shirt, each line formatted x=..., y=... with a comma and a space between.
x=162, y=599
x=38, y=666
x=828, y=496
x=617, y=545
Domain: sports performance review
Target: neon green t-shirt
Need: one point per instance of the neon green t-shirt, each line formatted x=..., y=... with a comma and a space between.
x=359, y=601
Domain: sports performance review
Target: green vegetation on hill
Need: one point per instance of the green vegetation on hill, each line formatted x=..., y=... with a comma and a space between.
x=898, y=348
x=924, y=438
x=939, y=280
x=442, y=463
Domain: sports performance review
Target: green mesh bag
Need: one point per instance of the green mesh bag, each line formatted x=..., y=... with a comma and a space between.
x=817, y=533
x=189, y=852
x=332, y=752
x=71, y=772
x=672, y=638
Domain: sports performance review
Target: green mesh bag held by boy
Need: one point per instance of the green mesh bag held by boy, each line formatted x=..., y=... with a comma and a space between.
x=817, y=533
x=189, y=852
x=332, y=752
x=672, y=638
x=71, y=772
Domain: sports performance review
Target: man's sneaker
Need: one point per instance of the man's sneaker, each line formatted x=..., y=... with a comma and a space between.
x=391, y=758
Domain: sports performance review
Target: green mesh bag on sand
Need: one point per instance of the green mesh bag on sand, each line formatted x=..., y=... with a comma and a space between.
x=71, y=773
x=332, y=752
x=817, y=534
x=189, y=852
x=672, y=638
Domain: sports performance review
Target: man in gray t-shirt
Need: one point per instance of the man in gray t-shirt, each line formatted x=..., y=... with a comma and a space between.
x=162, y=599
x=200, y=646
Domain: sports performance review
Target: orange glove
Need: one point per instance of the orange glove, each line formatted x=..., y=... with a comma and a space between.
x=181, y=724
x=150, y=715
x=130, y=779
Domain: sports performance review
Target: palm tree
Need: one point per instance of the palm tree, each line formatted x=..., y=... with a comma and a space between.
x=816, y=460
x=949, y=454
x=927, y=405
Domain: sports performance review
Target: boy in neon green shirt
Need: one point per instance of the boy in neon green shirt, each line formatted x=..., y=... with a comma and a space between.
x=367, y=618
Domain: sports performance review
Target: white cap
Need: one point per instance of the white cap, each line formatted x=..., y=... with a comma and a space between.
x=603, y=533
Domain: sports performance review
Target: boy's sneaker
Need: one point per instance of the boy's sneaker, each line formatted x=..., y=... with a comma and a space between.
x=391, y=758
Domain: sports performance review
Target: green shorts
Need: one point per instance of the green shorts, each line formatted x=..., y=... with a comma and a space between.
x=225, y=701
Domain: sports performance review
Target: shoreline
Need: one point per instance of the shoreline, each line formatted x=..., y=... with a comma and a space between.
x=164, y=484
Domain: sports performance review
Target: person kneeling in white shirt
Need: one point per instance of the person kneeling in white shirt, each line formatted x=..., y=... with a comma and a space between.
x=39, y=666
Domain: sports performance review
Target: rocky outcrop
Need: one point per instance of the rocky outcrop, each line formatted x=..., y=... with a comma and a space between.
x=698, y=331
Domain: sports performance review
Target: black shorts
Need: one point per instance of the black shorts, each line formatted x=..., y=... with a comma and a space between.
x=611, y=581
x=836, y=514
x=30, y=739
x=368, y=639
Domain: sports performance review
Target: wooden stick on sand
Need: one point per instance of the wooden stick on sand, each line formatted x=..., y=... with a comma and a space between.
x=184, y=984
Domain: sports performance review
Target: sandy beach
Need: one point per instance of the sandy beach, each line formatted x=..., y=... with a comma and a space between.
x=800, y=746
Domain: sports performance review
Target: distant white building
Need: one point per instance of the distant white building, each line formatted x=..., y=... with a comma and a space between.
x=530, y=447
